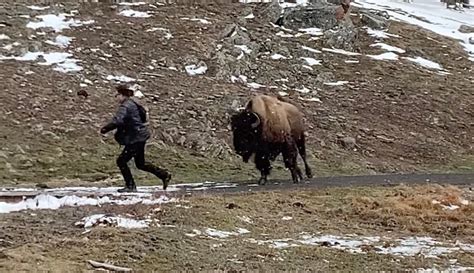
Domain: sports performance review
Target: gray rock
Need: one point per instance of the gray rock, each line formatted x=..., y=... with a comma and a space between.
x=270, y=12
x=466, y=29
x=343, y=36
x=374, y=21
x=348, y=142
x=320, y=16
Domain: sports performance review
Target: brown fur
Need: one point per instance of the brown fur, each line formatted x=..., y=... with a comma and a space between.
x=280, y=120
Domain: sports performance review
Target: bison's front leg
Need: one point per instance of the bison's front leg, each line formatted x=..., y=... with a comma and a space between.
x=262, y=162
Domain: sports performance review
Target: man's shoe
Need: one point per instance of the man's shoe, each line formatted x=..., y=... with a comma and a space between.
x=166, y=181
x=128, y=189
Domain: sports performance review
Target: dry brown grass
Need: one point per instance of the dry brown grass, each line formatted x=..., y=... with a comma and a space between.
x=419, y=209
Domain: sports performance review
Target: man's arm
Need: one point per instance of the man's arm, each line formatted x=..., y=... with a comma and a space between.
x=116, y=121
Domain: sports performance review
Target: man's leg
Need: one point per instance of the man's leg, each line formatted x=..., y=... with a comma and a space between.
x=127, y=154
x=143, y=165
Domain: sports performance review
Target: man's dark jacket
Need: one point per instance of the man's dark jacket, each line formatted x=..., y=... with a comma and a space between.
x=130, y=126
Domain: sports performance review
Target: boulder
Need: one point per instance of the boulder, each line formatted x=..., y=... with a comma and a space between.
x=374, y=21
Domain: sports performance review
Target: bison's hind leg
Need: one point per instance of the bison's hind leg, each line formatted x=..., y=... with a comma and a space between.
x=301, y=144
x=262, y=163
x=290, y=154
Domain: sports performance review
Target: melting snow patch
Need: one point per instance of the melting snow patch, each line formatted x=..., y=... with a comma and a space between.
x=224, y=234
x=303, y=90
x=244, y=48
x=134, y=13
x=380, y=33
x=311, y=99
x=4, y=37
x=388, y=56
x=61, y=60
x=425, y=63
x=311, y=49
x=287, y=218
x=312, y=31
x=341, y=51
x=56, y=22
x=284, y=34
x=109, y=220
x=388, y=47
x=47, y=201
x=250, y=16
x=132, y=3
x=311, y=61
x=351, y=61
x=278, y=57
x=338, y=83
x=33, y=7
x=193, y=69
x=255, y=85
x=61, y=41
x=168, y=34
x=202, y=21
x=245, y=219
x=240, y=78
x=121, y=78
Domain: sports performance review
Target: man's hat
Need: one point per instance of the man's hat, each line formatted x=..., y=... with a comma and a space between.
x=124, y=90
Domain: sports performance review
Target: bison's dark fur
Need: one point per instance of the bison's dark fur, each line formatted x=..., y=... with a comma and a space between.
x=267, y=127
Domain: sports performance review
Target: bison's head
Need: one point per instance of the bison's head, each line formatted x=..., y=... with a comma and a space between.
x=246, y=130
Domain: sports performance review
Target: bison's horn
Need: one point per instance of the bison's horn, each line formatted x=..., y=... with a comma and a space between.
x=256, y=123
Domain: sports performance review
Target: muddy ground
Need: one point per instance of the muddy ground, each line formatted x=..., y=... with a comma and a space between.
x=404, y=118
x=180, y=238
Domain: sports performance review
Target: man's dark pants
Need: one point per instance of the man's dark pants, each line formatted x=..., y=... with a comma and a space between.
x=137, y=151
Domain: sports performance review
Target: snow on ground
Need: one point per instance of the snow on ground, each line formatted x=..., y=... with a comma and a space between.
x=428, y=14
x=134, y=13
x=380, y=33
x=409, y=246
x=341, y=51
x=278, y=57
x=167, y=32
x=4, y=37
x=81, y=196
x=33, y=7
x=202, y=21
x=338, y=83
x=250, y=16
x=111, y=220
x=312, y=31
x=388, y=47
x=311, y=61
x=311, y=49
x=120, y=78
x=49, y=201
x=194, y=70
x=132, y=3
x=56, y=22
x=62, y=61
x=61, y=41
x=425, y=63
x=387, y=56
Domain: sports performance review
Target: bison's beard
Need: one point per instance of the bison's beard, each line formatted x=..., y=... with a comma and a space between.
x=246, y=157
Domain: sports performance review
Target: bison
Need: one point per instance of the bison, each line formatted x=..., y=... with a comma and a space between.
x=266, y=127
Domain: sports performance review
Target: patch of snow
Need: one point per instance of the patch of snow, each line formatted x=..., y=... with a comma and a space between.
x=278, y=57
x=61, y=41
x=255, y=85
x=311, y=99
x=33, y=7
x=380, y=33
x=134, y=13
x=244, y=48
x=202, y=21
x=194, y=70
x=245, y=219
x=425, y=63
x=283, y=94
x=303, y=90
x=311, y=49
x=314, y=31
x=341, y=51
x=388, y=47
x=286, y=218
x=132, y=3
x=240, y=78
x=338, y=83
x=167, y=32
x=351, y=61
x=62, y=61
x=56, y=22
x=311, y=61
x=387, y=56
x=431, y=15
x=47, y=201
x=118, y=221
x=284, y=34
x=4, y=37
x=307, y=67
x=250, y=16
x=120, y=78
